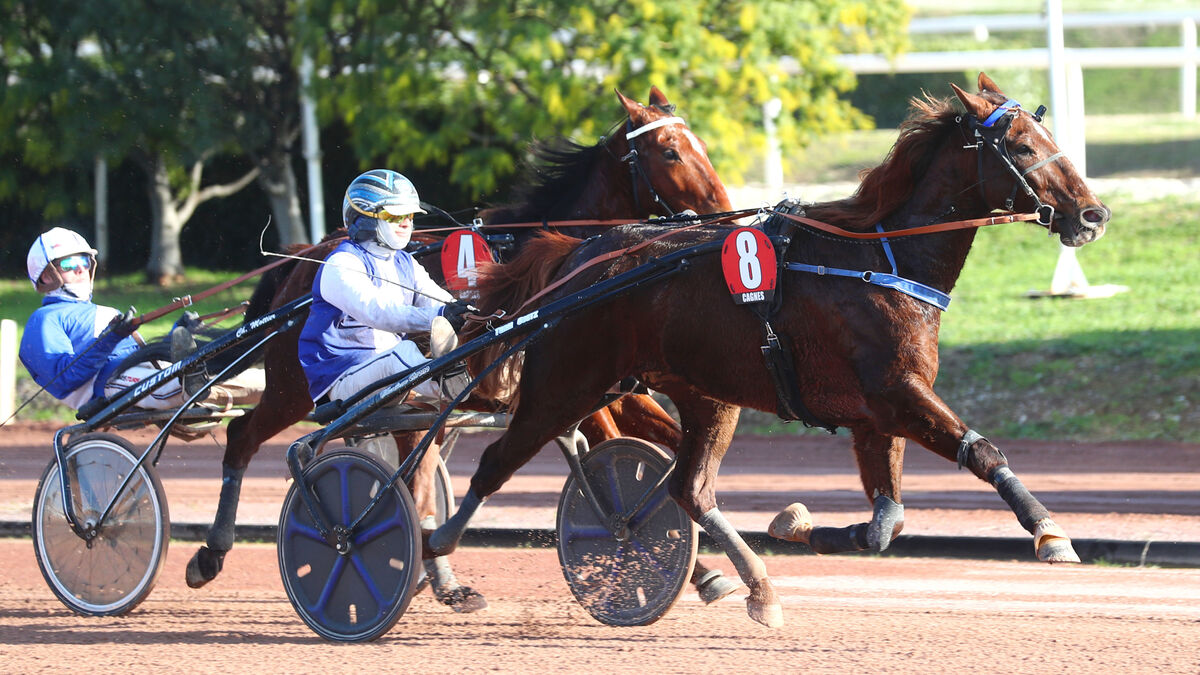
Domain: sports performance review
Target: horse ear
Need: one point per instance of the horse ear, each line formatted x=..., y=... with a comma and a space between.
x=986, y=84
x=974, y=104
x=657, y=98
x=632, y=107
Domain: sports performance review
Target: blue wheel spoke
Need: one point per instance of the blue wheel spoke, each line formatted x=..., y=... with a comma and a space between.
x=296, y=528
x=596, y=532
x=335, y=575
x=613, y=483
x=380, y=601
x=649, y=510
x=389, y=525
x=343, y=469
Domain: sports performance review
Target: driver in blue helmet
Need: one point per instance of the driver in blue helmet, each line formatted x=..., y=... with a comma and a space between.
x=371, y=295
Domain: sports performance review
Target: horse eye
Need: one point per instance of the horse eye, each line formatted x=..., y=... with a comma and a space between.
x=1023, y=149
x=671, y=155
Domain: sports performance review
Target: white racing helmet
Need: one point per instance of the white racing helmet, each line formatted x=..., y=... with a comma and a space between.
x=373, y=193
x=50, y=246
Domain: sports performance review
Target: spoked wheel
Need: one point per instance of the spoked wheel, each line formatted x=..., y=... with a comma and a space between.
x=115, y=571
x=633, y=577
x=359, y=595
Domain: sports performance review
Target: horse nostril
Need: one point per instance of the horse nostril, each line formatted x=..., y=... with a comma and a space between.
x=1095, y=215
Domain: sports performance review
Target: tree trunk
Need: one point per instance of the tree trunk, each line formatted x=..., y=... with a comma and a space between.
x=278, y=180
x=166, y=259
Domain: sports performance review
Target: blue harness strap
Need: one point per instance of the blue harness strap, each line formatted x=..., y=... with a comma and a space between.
x=893, y=281
x=1010, y=104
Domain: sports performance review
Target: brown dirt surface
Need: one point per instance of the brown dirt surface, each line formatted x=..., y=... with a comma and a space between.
x=867, y=613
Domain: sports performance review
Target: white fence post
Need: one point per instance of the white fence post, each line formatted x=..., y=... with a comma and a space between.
x=1187, y=72
x=8, y=368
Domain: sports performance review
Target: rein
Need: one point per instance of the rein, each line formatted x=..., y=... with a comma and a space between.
x=722, y=218
x=188, y=300
x=924, y=229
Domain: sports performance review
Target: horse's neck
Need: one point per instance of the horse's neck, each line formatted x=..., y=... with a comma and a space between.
x=933, y=259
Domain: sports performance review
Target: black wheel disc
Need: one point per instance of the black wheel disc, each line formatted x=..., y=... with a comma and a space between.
x=358, y=595
x=630, y=578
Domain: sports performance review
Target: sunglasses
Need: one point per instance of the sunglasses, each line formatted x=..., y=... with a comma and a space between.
x=74, y=262
x=389, y=218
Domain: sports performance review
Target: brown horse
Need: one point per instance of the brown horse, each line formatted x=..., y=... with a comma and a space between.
x=864, y=355
x=653, y=165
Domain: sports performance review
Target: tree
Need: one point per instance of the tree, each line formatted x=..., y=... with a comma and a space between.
x=468, y=83
x=113, y=78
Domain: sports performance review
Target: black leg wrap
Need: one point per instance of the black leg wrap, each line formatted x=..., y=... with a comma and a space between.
x=220, y=537
x=1026, y=507
x=974, y=458
x=839, y=539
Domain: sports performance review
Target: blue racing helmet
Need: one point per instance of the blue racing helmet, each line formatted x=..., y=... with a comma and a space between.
x=372, y=194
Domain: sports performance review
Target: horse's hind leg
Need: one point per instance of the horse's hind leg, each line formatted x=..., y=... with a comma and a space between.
x=442, y=581
x=693, y=485
x=880, y=463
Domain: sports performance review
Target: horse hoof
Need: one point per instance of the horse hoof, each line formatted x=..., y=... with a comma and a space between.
x=715, y=586
x=1052, y=543
x=792, y=524
x=768, y=614
x=462, y=599
x=204, y=566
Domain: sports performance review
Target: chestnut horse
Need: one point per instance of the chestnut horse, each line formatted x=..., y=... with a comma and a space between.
x=864, y=356
x=654, y=165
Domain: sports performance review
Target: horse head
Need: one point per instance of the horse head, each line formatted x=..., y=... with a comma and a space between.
x=668, y=164
x=1021, y=167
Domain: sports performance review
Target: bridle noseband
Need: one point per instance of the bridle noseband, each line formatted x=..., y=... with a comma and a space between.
x=636, y=171
x=992, y=132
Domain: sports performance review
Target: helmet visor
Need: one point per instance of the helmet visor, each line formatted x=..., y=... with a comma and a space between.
x=72, y=263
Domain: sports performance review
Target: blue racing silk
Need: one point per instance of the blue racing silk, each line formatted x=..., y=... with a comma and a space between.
x=364, y=304
x=59, y=331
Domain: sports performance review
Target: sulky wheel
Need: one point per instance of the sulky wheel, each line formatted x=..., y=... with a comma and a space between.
x=357, y=595
x=384, y=447
x=633, y=577
x=114, y=571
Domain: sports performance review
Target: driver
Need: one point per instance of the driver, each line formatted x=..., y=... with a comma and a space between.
x=370, y=296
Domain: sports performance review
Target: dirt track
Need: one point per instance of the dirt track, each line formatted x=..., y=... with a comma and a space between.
x=842, y=613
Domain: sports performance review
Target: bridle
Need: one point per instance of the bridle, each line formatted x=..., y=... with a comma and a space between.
x=637, y=173
x=991, y=132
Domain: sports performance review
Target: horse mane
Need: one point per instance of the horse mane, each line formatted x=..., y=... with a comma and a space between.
x=506, y=286
x=887, y=186
x=556, y=174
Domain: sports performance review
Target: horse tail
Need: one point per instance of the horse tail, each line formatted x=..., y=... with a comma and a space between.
x=508, y=286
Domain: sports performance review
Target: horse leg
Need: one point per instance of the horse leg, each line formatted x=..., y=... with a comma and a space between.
x=1050, y=542
x=641, y=416
x=442, y=581
x=880, y=463
x=929, y=421
x=693, y=486
x=280, y=408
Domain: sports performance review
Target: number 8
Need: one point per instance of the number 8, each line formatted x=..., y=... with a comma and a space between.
x=749, y=267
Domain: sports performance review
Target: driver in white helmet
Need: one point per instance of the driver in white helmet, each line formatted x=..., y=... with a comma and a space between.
x=371, y=295
x=63, y=347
